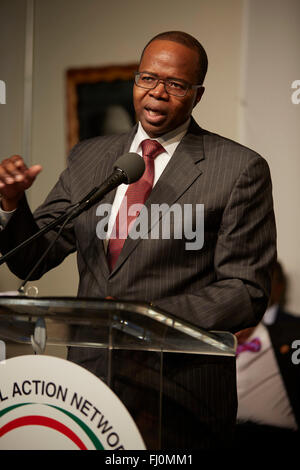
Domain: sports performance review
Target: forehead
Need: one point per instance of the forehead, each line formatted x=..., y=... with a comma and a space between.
x=168, y=58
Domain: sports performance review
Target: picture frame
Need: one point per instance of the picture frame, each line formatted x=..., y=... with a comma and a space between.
x=99, y=101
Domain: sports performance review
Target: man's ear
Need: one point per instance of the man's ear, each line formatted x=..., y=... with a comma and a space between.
x=199, y=95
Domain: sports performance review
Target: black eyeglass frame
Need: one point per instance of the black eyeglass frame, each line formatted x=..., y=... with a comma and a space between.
x=165, y=82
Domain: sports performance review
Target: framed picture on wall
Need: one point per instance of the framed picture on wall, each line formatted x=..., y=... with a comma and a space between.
x=99, y=101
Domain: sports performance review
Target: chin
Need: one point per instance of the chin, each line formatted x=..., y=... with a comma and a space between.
x=154, y=131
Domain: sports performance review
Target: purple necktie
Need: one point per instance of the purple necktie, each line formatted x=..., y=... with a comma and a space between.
x=253, y=346
x=137, y=193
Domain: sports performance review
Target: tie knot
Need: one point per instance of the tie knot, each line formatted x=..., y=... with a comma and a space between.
x=151, y=148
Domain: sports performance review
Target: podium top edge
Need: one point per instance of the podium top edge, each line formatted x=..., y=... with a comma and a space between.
x=52, y=306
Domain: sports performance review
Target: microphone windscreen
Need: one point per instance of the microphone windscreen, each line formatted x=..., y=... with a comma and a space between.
x=132, y=164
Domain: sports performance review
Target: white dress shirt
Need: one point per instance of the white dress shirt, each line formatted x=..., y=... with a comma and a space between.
x=270, y=314
x=4, y=217
x=169, y=141
x=262, y=397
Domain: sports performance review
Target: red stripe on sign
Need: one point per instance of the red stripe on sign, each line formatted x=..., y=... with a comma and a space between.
x=42, y=421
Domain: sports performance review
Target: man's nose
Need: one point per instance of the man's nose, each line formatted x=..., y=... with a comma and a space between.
x=159, y=91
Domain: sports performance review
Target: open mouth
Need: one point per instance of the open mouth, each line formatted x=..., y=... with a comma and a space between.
x=154, y=115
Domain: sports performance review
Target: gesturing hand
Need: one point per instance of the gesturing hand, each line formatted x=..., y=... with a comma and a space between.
x=15, y=178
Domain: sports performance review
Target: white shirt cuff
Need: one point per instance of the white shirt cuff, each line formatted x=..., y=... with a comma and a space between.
x=4, y=217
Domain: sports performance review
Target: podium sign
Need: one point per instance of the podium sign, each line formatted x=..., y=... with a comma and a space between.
x=168, y=375
x=51, y=403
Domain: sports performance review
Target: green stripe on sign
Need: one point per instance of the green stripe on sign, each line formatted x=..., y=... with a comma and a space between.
x=83, y=426
x=6, y=410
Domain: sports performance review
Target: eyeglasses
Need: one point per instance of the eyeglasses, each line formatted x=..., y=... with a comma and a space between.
x=172, y=86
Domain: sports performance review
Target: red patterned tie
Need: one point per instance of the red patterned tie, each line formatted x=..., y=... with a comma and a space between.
x=137, y=193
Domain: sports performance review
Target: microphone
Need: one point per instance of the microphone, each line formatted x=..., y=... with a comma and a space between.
x=127, y=169
x=132, y=165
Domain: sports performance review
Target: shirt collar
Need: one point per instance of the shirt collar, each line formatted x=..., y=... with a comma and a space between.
x=169, y=141
x=271, y=314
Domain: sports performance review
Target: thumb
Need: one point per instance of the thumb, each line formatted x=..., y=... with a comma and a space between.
x=33, y=171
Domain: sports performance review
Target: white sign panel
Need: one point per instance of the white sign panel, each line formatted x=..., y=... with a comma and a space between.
x=50, y=403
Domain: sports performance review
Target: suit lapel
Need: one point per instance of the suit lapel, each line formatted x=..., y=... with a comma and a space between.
x=180, y=173
x=102, y=172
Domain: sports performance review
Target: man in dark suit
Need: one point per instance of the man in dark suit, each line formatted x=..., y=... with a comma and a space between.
x=223, y=284
x=268, y=378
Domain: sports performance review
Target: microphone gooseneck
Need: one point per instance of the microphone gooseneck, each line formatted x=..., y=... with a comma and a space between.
x=127, y=169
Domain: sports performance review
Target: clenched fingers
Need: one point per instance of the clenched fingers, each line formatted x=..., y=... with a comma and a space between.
x=12, y=170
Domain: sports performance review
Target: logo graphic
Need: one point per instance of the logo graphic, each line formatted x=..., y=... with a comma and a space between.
x=44, y=419
x=296, y=354
x=50, y=403
x=159, y=221
x=296, y=94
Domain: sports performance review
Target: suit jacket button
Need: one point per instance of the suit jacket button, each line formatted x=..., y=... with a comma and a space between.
x=284, y=348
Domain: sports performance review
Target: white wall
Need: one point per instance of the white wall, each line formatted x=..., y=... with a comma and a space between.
x=271, y=122
x=12, y=39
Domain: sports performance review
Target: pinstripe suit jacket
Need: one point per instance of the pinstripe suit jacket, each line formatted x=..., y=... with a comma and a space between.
x=224, y=285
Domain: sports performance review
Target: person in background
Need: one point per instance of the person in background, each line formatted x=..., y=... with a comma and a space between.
x=268, y=378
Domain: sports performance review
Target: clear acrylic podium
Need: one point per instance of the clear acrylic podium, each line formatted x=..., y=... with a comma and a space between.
x=152, y=360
